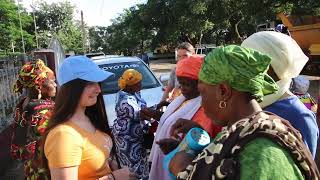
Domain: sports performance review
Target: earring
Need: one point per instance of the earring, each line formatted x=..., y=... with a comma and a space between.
x=222, y=104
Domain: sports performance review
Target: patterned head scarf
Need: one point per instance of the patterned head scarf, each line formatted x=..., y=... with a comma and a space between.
x=242, y=68
x=189, y=67
x=129, y=77
x=32, y=75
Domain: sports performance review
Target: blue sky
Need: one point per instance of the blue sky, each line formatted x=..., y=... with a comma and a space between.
x=96, y=12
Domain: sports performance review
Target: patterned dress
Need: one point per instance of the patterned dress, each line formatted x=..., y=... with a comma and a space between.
x=274, y=150
x=128, y=134
x=30, y=124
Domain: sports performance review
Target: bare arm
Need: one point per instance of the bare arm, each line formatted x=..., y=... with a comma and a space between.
x=179, y=162
x=171, y=84
x=182, y=126
x=68, y=173
x=123, y=174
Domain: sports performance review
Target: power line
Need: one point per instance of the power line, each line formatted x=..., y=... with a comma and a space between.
x=35, y=24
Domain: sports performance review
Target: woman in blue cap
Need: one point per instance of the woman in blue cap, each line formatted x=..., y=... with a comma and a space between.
x=77, y=142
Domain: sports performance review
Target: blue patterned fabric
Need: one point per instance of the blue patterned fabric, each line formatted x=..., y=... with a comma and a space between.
x=128, y=133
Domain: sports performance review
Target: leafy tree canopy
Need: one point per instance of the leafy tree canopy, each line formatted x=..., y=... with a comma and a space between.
x=164, y=23
x=10, y=33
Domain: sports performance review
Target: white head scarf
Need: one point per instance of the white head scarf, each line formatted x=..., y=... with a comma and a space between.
x=287, y=59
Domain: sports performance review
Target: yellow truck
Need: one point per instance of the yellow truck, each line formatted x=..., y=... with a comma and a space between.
x=306, y=31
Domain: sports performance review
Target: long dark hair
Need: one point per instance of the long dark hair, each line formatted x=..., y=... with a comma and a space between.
x=66, y=102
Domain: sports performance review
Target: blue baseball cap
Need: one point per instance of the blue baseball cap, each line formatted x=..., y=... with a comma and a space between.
x=81, y=67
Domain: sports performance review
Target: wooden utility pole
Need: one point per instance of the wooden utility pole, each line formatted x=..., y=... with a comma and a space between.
x=21, y=32
x=35, y=24
x=83, y=34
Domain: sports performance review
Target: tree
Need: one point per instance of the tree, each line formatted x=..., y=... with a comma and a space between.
x=127, y=35
x=71, y=37
x=97, y=37
x=56, y=19
x=53, y=16
x=10, y=34
x=240, y=17
x=164, y=23
x=158, y=24
x=178, y=20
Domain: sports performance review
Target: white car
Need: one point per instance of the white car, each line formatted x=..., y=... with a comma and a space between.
x=151, y=91
x=204, y=49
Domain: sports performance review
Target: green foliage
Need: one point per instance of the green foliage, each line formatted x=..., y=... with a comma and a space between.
x=98, y=39
x=71, y=37
x=164, y=23
x=56, y=19
x=129, y=34
x=146, y=27
x=10, y=34
x=53, y=16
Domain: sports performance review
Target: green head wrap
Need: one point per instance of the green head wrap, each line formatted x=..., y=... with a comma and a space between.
x=243, y=69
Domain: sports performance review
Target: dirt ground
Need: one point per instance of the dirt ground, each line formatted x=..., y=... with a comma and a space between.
x=162, y=66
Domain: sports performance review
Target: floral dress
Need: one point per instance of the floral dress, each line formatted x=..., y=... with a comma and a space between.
x=128, y=134
x=30, y=124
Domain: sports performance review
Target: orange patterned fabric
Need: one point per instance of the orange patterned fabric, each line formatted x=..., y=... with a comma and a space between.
x=189, y=67
x=32, y=75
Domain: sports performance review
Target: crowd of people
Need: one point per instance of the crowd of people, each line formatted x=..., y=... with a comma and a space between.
x=249, y=98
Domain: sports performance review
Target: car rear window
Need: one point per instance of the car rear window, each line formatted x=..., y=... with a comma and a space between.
x=111, y=84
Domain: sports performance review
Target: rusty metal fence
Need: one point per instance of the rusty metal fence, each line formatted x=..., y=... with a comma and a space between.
x=9, y=68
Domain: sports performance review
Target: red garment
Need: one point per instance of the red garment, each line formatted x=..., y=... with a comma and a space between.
x=206, y=123
x=30, y=124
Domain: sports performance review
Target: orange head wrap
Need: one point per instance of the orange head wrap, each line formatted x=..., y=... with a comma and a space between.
x=189, y=67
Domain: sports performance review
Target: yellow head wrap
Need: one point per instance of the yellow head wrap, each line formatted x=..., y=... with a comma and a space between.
x=129, y=77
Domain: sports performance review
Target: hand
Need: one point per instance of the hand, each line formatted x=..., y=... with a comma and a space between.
x=162, y=103
x=144, y=115
x=182, y=126
x=124, y=174
x=167, y=145
x=179, y=162
x=150, y=113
